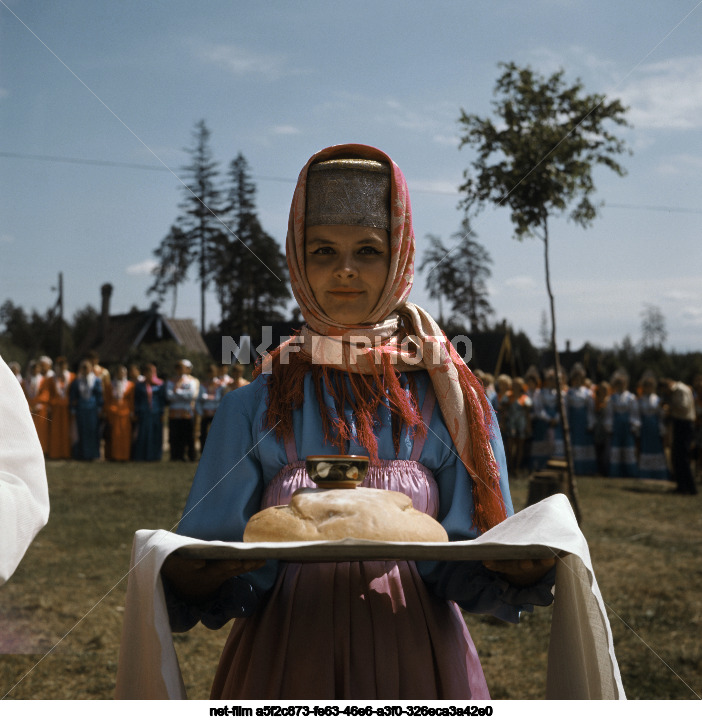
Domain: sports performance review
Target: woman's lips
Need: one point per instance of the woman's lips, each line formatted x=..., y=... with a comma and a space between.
x=345, y=292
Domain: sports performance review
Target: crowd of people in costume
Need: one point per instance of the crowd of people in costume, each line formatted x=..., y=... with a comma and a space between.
x=653, y=432
x=132, y=414
x=126, y=415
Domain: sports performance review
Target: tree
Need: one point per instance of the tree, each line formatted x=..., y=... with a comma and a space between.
x=84, y=321
x=440, y=281
x=473, y=268
x=538, y=159
x=653, y=332
x=175, y=256
x=35, y=334
x=200, y=221
x=251, y=272
x=459, y=274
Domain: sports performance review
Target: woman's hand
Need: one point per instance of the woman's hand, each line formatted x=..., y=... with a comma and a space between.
x=525, y=572
x=196, y=579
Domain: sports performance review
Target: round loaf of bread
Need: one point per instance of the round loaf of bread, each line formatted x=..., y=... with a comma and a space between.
x=334, y=514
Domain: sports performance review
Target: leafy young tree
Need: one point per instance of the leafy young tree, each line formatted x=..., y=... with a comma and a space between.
x=459, y=274
x=537, y=157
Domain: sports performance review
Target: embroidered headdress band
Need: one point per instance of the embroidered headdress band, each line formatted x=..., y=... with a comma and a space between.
x=348, y=191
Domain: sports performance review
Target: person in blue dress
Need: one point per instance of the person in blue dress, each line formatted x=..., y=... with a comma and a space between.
x=599, y=433
x=149, y=405
x=580, y=407
x=547, y=431
x=652, y=460
x=86, y=401
x=623, y=424
x=208, y=399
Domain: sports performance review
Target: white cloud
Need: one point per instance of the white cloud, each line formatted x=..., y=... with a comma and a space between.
x=521, y=282
x=681, y=295
x=243, y=62
x=442, y=187
x=6, y=238
x=692, y=315
x=4, y=93
x=665, y=95
x=679, y=163
x=450, y=140
x=143, y=268
x=438, y=120
x=547, y=61
x=286, y=130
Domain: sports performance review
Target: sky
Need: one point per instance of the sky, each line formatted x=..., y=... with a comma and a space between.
x=125, y=83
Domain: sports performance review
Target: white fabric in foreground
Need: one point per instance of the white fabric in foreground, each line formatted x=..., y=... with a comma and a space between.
x=581, y=660
x=24, y=494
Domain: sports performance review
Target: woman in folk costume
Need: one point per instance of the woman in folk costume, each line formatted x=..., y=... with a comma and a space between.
x=623, y=423
x=60, y=436
x=652, y=460
x=36, y=388
x=600, y=436
x=580, y=406
x=208, y=400
x=86, y=401
x=119, y=405
x=348, y=384
x=547, y=431
x=149, y=405
x=519, y=423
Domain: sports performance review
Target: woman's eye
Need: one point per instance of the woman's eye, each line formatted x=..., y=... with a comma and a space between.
x=323, y=250
x=370, y=250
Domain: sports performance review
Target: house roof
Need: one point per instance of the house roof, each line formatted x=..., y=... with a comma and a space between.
x=130, y=330
x=186, y=334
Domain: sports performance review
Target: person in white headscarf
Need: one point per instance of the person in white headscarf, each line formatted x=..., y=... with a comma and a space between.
x=24, y=493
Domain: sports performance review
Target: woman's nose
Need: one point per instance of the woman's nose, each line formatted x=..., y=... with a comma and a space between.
x=345, y=267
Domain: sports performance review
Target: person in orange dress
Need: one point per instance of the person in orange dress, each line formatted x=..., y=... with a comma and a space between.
x=60, y=428
x=119, y=405
x=36, y=388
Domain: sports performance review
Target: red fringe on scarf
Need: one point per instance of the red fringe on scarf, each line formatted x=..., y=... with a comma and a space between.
x=364, y=394
x=488, y=504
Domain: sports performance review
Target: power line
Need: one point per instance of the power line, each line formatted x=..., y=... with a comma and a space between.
x=83, y=161
x=276, y=179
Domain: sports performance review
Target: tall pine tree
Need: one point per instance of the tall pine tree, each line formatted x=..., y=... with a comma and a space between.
x=201, y=211
x=250, y=270
x=459, y=275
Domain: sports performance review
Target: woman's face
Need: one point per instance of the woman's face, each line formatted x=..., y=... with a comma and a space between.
x=347, y=266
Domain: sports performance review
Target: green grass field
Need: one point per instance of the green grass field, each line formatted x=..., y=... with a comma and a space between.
x=61, y=613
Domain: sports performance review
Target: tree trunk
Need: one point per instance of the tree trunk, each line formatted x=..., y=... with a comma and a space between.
x=174, y=301
x=572, y=487
x=203, y=283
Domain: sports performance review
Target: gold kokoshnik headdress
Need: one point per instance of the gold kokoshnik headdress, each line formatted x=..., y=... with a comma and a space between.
x=348, y=191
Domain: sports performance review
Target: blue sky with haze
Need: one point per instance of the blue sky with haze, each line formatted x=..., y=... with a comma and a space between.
x=125, y=82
